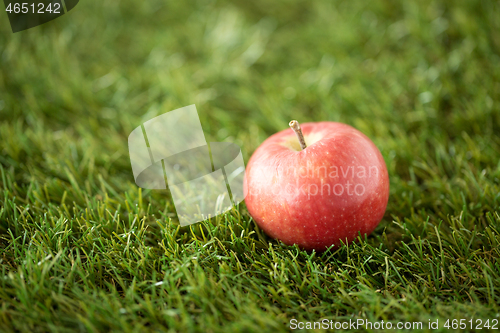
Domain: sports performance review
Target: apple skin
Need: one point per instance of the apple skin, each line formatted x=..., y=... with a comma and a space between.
x=297, y=196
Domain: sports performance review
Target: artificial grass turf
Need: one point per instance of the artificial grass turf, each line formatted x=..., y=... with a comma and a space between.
x=82, y=248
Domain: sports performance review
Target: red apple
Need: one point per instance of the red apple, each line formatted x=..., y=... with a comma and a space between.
x=325, y=194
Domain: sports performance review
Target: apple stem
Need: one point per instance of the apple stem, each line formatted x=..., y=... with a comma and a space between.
x=294, y=124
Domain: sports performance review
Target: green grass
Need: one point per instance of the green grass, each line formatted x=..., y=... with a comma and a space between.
x=82, y=248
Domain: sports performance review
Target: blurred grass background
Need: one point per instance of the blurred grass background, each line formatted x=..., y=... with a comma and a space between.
x=83, y=249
